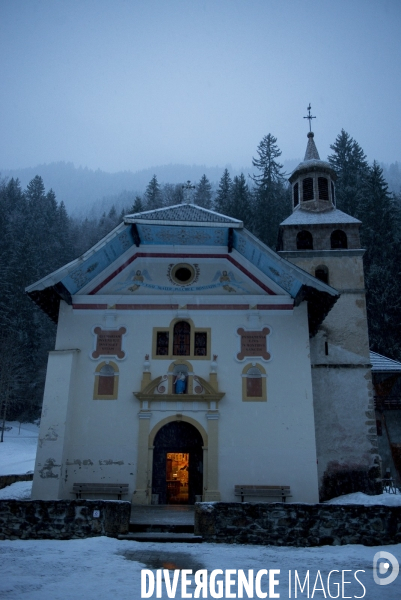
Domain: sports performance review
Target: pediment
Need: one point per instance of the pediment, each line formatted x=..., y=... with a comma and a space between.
x=162, y=273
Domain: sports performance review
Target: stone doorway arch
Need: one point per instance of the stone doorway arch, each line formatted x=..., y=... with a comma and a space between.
x=181, y=438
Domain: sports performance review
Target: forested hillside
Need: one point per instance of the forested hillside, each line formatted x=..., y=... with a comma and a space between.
x=38, y=236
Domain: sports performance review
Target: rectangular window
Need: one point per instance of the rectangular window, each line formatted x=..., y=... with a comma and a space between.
x=162, y=343
x=200, y=343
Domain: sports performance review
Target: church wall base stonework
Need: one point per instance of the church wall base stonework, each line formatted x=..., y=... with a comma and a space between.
x=300, y=525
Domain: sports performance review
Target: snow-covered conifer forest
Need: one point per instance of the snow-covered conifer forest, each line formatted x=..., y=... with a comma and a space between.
x=38, y=236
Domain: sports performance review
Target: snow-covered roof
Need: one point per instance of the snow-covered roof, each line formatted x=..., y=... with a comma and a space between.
x=382, y=364
x=181, y=214
x=307, y=217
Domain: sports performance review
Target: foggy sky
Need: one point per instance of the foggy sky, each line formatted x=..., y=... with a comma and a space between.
x=129, y=84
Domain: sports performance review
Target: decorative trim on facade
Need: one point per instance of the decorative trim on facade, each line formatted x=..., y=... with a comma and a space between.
x=179, y=257
x=286, y=307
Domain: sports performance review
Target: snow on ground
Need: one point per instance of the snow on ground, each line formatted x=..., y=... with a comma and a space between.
x=20, y=490
x=103, y=568
x=18, y=450
x=389, y=499
x=100, y=568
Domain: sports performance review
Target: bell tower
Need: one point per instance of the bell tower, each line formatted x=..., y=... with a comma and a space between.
x=325, y=242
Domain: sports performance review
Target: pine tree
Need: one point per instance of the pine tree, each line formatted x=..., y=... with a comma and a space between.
x=153, y=196
x=223, y=196
x=240, y=206
x=137, y=207
x=203, y=193
x=172, y=193
x=272, y=202
x=351, y=166
x=380, y=218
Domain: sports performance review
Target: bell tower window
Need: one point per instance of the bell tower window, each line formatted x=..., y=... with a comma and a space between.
x=296, y=194
x=333, y=196
x=323, y=186
x=307, y=189
x=338, y=239
x=304, y=240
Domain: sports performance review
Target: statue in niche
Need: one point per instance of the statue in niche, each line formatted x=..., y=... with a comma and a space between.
x=180, y=383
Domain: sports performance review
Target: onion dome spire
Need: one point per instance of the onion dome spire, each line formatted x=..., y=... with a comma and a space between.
x=311, y=150
x=313, y=179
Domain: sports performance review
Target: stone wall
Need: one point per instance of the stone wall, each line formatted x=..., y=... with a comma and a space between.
x=282, y=524
x=62, y=519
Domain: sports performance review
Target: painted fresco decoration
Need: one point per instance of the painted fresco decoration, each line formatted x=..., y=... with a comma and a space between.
x=87, y=270
x=183, y=236
x=220, y=281
x=108, y=342
x=225, y=279
x=253, y=344
x=254, y=251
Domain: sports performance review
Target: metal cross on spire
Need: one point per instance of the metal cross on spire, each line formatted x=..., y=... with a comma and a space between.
x=187, y=187
x=309, y=117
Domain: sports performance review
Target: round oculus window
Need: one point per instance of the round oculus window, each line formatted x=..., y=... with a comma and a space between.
x=183, y=274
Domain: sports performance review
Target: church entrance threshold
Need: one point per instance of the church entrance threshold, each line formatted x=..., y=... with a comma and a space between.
x=177, y=464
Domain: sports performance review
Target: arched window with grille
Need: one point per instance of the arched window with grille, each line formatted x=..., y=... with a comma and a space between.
x=106, y=381
x=307, y=189
x=182, y=339
x=304, y=240
x=338, y=239
x=254, y=383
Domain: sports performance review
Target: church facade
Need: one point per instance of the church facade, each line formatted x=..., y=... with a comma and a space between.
x=191, y=358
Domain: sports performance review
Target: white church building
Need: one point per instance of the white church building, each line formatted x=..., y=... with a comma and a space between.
x=190, y=358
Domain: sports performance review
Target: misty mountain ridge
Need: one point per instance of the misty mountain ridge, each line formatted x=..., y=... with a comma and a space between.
x=87, y=192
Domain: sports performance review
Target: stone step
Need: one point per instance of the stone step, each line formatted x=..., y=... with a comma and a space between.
x=161, y=528
x=146, y=536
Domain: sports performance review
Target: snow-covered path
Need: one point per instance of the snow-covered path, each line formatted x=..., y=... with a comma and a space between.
x=103, y=568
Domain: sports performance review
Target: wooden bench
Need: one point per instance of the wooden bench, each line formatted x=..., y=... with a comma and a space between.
x=100, y=489
x=281, y=492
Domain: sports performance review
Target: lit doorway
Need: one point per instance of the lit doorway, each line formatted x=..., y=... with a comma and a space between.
x=177, y=477
x=177, y=474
